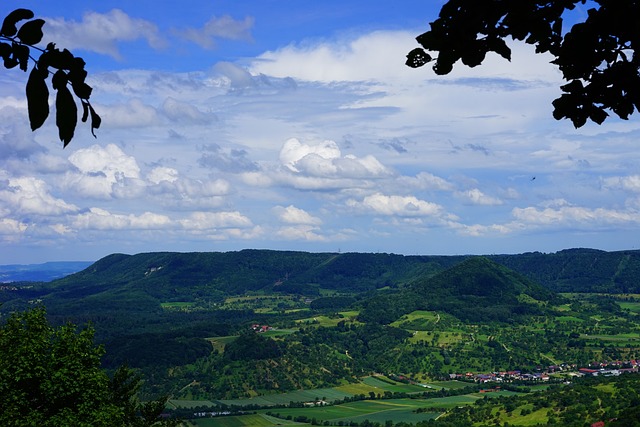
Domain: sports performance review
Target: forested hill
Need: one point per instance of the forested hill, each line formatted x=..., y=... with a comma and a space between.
x=474, y=290
x=163, y=273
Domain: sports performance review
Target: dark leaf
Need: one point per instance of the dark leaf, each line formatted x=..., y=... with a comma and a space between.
x=9, y=24
x=62, y=60
x=82, y=90
x=66, y=114
x=10, y=62
x=5, y=50
x=31, y=32
x=21, y=55
x=598, y=115
x=499, y=46
x=37, y=97
x=442, y=67
x=417, y=58
x=473, y=57
x=59, y=80
x=85, y=111
x=95, y=120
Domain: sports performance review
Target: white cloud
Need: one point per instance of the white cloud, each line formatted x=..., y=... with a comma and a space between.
x=575, y=216
x=425, y=181
x=405, y=206
x=380, y=56
x=293, y=215
x=161, y=173
x=100, y=169
x=101, y=32
x=100, y=219
x=477, y=197
x=224, y=27
x=629, y=183
x=10, y=229
x=30, y=195
x=134, y=113
x=214, y=220
x=325, y=160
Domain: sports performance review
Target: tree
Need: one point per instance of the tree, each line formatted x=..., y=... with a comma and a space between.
x=16, y=45
x=52, y=377
x=598, y=57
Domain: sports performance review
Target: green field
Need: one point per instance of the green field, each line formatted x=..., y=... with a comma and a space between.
x=632, y=306
x=254, y=420
x=377, y=410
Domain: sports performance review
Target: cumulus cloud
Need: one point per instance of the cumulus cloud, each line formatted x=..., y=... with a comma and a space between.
x=29, y=196
x=224, y=27
x=404, y=206
x=575, y=216
x=293, y=215
x=477, y=197
x=425, y=181
x=100, y=219
x=629, y=183
x=326, y=160
x=162, y=173
x=101, y=32
x=10, y=229
x=215, y=220
x=352, y=60
x=99, y=169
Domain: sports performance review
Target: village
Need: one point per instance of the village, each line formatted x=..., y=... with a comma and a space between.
x=610, y=368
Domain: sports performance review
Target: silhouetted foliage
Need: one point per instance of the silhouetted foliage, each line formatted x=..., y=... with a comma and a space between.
x=597, y=57
x=16, y=47
x=52, y=377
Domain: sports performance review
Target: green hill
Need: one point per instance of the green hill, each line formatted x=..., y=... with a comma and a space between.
x=475, y=290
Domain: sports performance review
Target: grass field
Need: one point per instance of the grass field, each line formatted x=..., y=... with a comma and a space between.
x=219, y=342
x=377, y=410
x=632, y=306
x=326, y=321
x=328, y=394
x=253, y=420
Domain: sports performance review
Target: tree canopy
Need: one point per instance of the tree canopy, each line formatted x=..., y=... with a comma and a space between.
x=52, y=377
x=16, y=49
x=599, y=57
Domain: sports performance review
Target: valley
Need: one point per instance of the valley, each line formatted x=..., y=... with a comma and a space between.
x=276, y=338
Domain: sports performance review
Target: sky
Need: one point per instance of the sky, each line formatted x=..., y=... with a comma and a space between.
x=293, y=125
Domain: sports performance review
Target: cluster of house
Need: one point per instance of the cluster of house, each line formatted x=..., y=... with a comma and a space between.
x=601, y=368
x=260, y=328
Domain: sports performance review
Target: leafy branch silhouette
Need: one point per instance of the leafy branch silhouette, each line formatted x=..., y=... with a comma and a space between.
x=16, y=45
x=599, y=56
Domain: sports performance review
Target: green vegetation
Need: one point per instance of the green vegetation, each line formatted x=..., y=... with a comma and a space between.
x=268, y=331
x=52, y=377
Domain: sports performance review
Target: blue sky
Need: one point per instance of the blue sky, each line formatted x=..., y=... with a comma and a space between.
x=295, y=125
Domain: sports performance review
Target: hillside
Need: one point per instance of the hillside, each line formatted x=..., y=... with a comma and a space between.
x=474, y=290
x=575, y=270
x=257, y=322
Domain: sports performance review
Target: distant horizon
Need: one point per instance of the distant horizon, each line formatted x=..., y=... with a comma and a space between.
x=309, y=251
